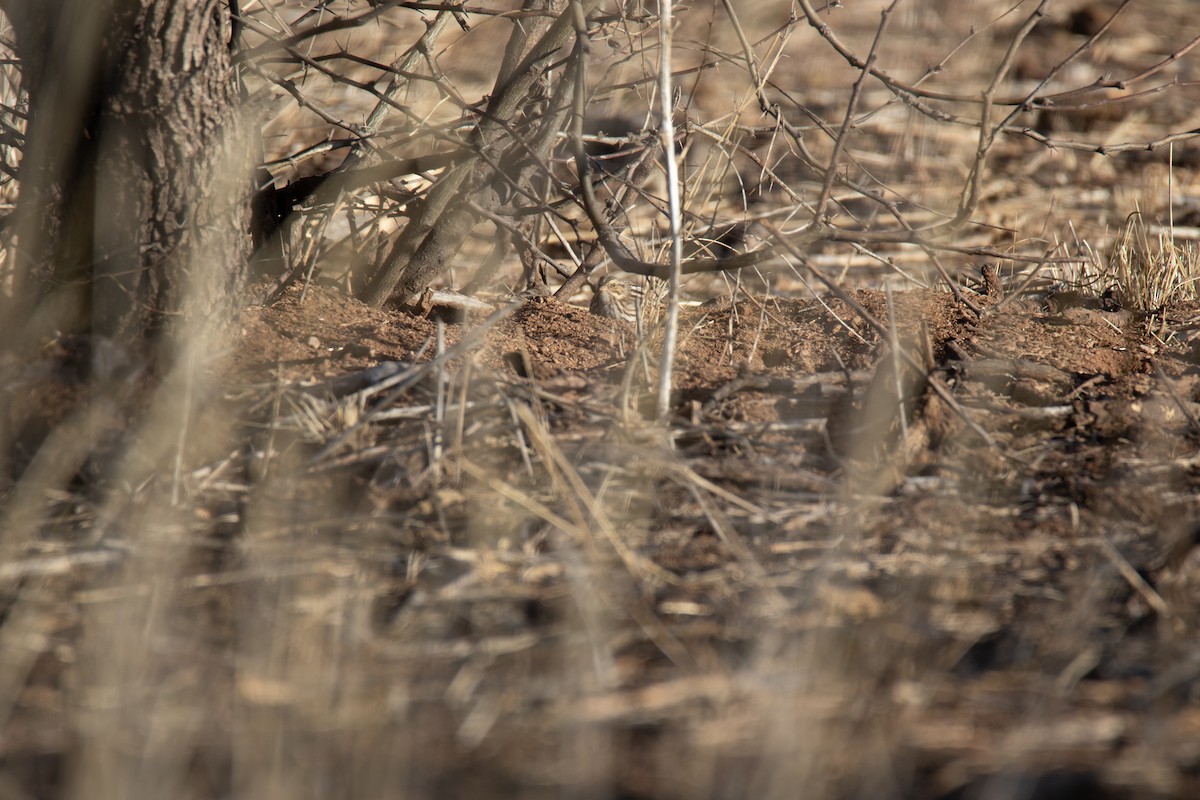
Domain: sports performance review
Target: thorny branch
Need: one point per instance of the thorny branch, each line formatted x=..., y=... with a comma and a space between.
x=288, y=53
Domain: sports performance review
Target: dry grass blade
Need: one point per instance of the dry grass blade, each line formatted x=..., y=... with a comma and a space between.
x=759, y=576
x=523, y=499
x=573, y=491
x=641, y=568
x=1151, y=271
x=1136, y=581
x=689, y=477
x=399, y=384
x=1169, y=388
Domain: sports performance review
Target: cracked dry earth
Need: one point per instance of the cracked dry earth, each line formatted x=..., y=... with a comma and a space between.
x=985, y=589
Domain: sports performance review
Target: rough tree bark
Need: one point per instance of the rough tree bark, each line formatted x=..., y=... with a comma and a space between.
x=132, y=220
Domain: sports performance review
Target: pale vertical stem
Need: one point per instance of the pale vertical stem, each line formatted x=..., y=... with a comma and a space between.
x=667, y=130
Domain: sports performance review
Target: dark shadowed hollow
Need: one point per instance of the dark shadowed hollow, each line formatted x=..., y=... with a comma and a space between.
x=318, y=478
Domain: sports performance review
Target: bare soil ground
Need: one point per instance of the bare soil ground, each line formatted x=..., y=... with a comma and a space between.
x=996, y=598
x=496, y=578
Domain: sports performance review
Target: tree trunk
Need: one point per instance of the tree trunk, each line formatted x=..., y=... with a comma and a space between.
x=132, y=220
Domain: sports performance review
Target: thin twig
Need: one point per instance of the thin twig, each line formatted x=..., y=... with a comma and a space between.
x=839, y=143
x=1135, y=581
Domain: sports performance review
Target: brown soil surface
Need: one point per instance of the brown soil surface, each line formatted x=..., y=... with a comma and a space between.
x=964, y=569
x=997, y=595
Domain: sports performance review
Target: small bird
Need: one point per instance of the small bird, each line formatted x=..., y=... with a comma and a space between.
x=615, y=298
